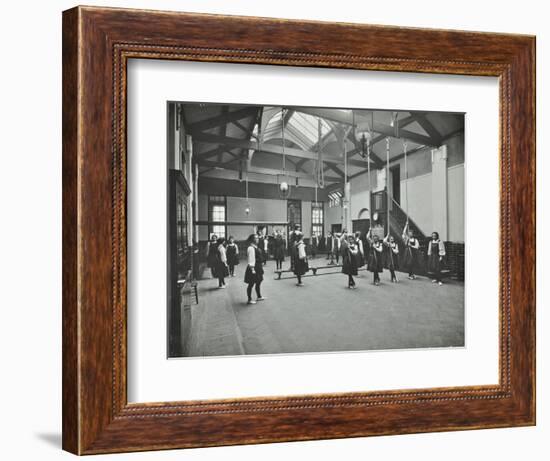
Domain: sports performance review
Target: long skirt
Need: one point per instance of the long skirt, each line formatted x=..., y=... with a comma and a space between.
x=220, y=270
x=409, y=259
x=359, y=259
x=257, y=277
x=279, y=253
x=349, y=265
x=232, y=258
x=434, y=264
x=300, y=266
x=375, y=263
x=392, y=260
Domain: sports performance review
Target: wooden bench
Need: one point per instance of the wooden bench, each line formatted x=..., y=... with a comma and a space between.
x=445, y=273
x=313, y=269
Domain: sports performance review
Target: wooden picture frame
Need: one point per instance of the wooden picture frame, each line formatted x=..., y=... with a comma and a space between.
x=97, y=43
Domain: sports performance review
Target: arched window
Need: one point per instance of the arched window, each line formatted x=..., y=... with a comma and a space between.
x=363, y=214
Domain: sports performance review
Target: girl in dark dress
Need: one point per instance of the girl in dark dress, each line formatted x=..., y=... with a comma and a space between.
x=232, y=255
x=220, y=268
x=349, y=261
x=300, y=258
x=436, y=252
x=254, y=273
x=360, y=256
x=411, y=251
x=212, y=254
x=279, y=250
x=374, y=264
x=392, y=256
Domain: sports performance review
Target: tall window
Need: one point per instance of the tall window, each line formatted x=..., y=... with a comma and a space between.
x=217, y=212
x=317, y=218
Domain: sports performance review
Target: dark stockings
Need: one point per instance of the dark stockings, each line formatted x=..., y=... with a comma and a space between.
x=221, y=281
x=249, y=290
x=351, y=282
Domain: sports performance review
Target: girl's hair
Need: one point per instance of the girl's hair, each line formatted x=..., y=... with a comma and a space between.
x=214, y=237
x=230, y=238
x=251, y=238
x=358, y=234
x=299, y=237
x=436, y=235
x=220, y=240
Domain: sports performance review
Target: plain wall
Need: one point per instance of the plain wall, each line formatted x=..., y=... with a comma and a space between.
x=455, y=202
x=420, y=210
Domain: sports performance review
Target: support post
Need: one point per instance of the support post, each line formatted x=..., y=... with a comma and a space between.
x=439, y=191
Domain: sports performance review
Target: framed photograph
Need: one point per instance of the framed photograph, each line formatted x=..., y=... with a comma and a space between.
x=281, y=230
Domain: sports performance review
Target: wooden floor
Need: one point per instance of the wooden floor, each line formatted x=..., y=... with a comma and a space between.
x=324, y=315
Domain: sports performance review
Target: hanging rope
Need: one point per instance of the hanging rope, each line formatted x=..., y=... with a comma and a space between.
x=406, y=182
x=283, y=137
x=368, y=167
x=320, y=170
x=388, y=181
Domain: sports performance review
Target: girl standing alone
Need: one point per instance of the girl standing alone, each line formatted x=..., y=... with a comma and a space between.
x=279, y=250
x=411, y=251
x=254, y=273
x=349, y=261
x=300, y=259
x=436, y=251
x=375, y=257
x=232, y=255
x=212, y=254
x=220, y=269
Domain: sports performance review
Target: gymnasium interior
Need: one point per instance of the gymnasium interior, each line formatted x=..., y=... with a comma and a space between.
x=236, y=170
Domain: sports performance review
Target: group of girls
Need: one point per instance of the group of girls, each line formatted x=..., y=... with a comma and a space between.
x=386, y=252
x=222, y=257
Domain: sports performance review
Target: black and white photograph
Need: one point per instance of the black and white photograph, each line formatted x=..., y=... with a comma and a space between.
x=313, y=229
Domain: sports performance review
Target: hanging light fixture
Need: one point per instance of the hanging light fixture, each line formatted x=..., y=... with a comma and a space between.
x=363, y=133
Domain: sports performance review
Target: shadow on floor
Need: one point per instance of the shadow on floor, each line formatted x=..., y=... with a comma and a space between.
x=51, y=438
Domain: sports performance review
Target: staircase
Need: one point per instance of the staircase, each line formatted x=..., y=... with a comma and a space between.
x=398, y=218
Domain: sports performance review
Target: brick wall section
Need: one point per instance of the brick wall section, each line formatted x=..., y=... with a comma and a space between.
x=455, y=259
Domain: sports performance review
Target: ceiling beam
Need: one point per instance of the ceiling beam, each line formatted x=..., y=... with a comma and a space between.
x=214, y=152
x=336, y=170
x=393, y=159
x=222, y=119
x=427, y=126
x=270, y=149
x=381, y=128
x=259, y=170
